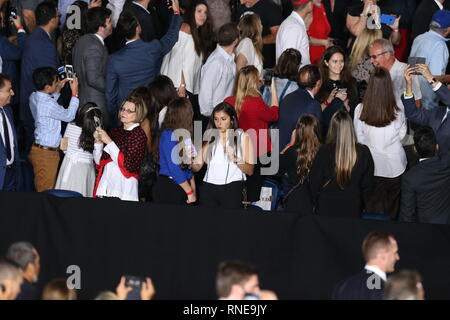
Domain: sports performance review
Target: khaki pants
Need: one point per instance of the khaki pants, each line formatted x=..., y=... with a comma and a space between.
x=45, y=166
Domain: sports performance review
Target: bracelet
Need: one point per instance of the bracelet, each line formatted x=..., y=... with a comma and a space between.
x=408, y=95
x=190, y=192
x=363, y=15
x=74, y=96
x=182, y=85
x=326, y=103
x=395, y=30
x=176, y=11
x=20, y=28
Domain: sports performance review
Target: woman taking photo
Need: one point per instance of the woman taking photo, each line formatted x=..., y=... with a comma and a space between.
x=120, y=154
x=228, y=155
x=296, y=161
x=183, y=63
x=249, y=49
x=77, y=171
x=175, y=183
x=342, y=172
x=254, y=115
x=338, y=90
x=381, y=125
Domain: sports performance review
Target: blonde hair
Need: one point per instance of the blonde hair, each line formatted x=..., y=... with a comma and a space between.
x=139, y=103
x=246, y=85
x=342, y=135
x=250, y=27
x=362, y=45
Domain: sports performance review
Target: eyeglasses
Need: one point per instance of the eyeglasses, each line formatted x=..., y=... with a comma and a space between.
x=374, y=56
x=127, y=110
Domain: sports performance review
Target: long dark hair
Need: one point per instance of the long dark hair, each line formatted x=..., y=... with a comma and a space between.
x=345, y=76
x=379, y=106
x=289, y=64
x=161, y=91
x=203, y=36
x=85, y=120
x=307, y=144
x=178, y=116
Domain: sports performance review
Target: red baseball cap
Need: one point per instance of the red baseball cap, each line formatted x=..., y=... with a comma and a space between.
x=299, y=2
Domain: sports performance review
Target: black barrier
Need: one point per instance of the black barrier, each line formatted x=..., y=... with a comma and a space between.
x=180, y=247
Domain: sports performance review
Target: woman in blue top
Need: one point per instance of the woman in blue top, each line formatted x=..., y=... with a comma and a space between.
x=175, y=183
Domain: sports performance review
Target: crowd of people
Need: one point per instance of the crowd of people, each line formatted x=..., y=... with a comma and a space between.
x=188, y=105
x=235, y=279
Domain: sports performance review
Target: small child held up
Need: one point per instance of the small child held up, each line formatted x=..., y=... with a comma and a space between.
x=48, y=114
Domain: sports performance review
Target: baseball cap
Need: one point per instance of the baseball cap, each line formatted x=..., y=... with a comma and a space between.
x=299, y=2
x=442, y=17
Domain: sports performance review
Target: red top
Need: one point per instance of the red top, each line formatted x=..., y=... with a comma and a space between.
x=255, y=114
x=320, y=28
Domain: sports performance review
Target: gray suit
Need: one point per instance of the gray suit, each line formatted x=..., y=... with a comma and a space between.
x=90, y=57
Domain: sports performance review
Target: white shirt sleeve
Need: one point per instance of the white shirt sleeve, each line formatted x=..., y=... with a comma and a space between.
x=358, y=124
x=211, y=75
x=98, y=150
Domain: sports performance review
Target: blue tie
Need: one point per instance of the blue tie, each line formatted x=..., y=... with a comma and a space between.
x=7, y=138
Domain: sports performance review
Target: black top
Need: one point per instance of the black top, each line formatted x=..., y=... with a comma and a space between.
x=365, y=285
x=331, y=199
x=337, y=19
x=28, y=291
x=422, y=17
x=299, y=199
x=270, y=14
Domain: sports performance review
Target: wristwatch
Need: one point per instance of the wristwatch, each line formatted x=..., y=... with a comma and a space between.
x=432, y=81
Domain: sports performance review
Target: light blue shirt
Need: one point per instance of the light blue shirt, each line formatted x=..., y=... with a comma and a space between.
x=432, y=46
x=48, y=114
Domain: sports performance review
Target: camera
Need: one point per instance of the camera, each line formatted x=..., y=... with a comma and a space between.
x=65, y=72
x=268, y=75
x=13, y=14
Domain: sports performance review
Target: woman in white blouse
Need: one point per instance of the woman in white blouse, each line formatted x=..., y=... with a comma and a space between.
x=381, y=125
x=249, y=50
x=183, y=63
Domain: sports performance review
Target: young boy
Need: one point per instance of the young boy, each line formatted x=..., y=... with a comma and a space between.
x=48, y=114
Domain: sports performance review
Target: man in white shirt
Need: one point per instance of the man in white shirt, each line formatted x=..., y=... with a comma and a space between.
x=293, y=30
x=380, y=252
x=219, y=71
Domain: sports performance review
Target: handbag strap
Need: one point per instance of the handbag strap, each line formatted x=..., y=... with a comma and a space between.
x=286, y=86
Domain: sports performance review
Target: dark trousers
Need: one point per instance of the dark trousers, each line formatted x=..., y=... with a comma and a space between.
x=10, y=182
x=167, y=191
x=385, y=196
x=227, y=196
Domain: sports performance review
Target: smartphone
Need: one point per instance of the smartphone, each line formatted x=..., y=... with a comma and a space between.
x=412, y=61
x=69, y=71
x=387, y=19
x=136, y=284
x=342, y=90
x=62, y=73
x=13, y=14
x=98, y=123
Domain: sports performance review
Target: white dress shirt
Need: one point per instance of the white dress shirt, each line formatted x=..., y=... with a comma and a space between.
x=384, y=143
x=216, y=80
x=100, y=38
x=293, y=34
x=440, y=5
x=377, y=271
x=183, y=58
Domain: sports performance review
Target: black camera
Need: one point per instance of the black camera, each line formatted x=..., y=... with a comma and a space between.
x=268, y=75
x=13, y=14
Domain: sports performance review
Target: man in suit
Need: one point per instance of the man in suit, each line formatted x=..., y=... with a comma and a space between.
x=137, y=63
x=426, y=187
x=300, y=102
x=436, y=118
x=90, y=57
x=39, y=51
x=380, y=252
x=9, y=151
x=423, y=14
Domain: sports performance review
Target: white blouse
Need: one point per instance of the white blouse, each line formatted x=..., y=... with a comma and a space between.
x=183, y=58
x=384, y=143
x=113, y=183
x=247, y=48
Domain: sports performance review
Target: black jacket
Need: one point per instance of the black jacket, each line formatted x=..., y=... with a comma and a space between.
x=360, y=287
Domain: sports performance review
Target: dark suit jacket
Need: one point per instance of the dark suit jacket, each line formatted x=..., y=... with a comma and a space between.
x=3, y=149
x=426, y=191
x=151, y=26
x=292, y=107
x=28, y=291
x=89, y=61
x=11, y=54
x=136, y=65
x=422, y=17
x=356, y=287
x=432, y=118
x=39, y=51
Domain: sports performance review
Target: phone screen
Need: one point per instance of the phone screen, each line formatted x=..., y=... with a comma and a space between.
x=69, y=72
